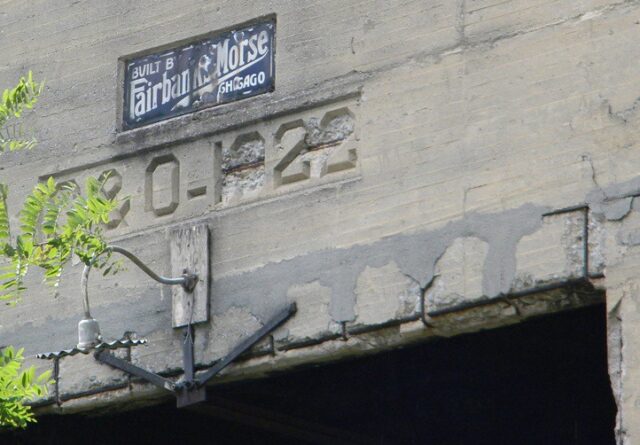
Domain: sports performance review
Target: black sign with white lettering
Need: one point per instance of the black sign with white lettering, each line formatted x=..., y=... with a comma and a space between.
x=225, y=68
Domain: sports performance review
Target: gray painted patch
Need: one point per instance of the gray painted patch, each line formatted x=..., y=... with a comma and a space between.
x=614, y=202
x=613, y=210
x=597, y=197
x=264, y=290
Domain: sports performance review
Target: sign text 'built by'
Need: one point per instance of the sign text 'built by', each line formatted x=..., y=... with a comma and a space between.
x=227, y=67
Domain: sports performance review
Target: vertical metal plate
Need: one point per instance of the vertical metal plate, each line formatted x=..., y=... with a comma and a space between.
x=190, y=250
x=186, y=397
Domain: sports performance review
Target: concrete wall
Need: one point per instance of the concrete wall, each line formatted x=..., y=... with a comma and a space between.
x=459, y=152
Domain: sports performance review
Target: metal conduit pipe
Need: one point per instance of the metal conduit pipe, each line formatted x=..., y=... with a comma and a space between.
x=88, y=328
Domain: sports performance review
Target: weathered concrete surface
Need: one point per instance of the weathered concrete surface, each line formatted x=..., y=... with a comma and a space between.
x=622, y=257
x=384, y=294
x=405, y=162
x=313, y=319
x=555, y=252
x=458, y=274
x=82, y=373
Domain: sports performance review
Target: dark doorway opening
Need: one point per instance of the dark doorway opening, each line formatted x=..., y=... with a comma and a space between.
x=541, y=382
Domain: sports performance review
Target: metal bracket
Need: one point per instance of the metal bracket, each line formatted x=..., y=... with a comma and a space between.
x=88, y=329
x=112, y=360
x=192, y=389
x=276, y=321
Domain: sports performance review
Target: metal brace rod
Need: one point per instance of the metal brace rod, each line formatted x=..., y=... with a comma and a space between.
x=188, y=359
x=192, y=390
x=246, y=344
x=111, y=360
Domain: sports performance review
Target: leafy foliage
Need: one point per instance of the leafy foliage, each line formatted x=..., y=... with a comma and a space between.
x=16, y=385
x=14, y=102
x=56, y=222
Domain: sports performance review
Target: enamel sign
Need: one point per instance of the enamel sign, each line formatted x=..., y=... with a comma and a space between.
x=230, y=66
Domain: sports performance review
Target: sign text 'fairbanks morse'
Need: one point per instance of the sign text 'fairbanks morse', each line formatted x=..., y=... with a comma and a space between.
x=224, y=68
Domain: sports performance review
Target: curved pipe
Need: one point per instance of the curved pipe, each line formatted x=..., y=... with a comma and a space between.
x=160, y=279
x=187, y=280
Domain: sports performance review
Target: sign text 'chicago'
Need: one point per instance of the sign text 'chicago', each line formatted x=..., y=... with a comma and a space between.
x=224, y=68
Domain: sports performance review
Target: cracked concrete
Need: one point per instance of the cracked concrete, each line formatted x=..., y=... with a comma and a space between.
x=415, y=256
x=471, y=120
x=615, y=211
x=334, y=127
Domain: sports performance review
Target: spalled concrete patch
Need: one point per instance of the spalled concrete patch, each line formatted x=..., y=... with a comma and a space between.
x=384, y=294
x=242, y=184
x=458, y=274
x=554, y=252
x=243, y=168
x=247, y=149
x=597, y=245
x=312, y=320
x=415, y=256
x=335, y=126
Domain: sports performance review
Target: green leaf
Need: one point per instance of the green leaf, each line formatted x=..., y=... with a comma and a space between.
x=56, y=221
x=14, y=101
x=18, y=386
